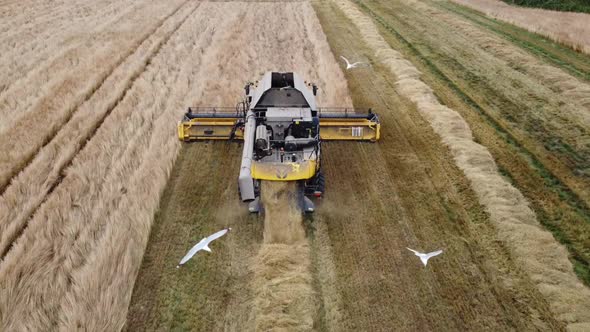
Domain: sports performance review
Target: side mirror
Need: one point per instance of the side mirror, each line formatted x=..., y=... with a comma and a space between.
x=247, y=89
x=315, y=89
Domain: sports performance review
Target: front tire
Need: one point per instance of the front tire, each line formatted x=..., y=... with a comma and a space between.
x=316, y=185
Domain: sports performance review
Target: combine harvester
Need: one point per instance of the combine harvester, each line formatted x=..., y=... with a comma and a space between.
x=282, y=129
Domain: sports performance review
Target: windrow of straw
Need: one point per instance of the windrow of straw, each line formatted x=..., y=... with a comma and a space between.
x=533, y=247
x=284, y=297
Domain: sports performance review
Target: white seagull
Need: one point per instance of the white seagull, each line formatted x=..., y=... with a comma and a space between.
x=202, y=245
x=425, y=257
x=353, y=65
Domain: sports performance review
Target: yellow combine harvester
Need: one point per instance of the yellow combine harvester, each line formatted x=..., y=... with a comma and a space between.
x=282, y=129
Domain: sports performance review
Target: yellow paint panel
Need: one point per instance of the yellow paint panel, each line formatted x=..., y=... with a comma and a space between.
x=209, y=129
x=283, y=171
x=349, y=129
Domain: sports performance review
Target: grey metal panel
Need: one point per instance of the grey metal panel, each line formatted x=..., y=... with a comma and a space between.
x=287, y=114
x=266, y=83
x=245, y=181
x=300, y=85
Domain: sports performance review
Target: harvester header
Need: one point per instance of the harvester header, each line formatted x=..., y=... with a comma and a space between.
x=282, y=129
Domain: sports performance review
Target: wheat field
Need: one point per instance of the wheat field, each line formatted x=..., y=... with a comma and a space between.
x=83, y=201
x=53, y=91
x=99, y=199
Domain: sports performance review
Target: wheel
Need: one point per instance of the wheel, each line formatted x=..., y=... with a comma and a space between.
x=315, y=186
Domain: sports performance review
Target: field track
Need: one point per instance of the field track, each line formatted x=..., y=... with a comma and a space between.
x=54, y=91
x=98, y=199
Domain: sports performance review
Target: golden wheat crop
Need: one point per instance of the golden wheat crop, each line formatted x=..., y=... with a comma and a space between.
x=36, y=107
x=34, y=33
x=28, y=190
x=67, y=213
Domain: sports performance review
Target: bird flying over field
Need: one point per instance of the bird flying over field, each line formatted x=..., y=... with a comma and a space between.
x=353, y=65
x=202, y=245
x=425, y=257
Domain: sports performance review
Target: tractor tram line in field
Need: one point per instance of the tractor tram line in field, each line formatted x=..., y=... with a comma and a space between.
x=52, y=59
x=88, y=118
x=96, y=144
x=42, y=36
x=19, y=162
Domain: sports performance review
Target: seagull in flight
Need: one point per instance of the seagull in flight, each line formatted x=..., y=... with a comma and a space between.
x=353, y=65
x=202, y=245
x=425, y=257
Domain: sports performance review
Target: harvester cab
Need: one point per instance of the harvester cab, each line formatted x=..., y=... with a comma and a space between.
x=282, y=129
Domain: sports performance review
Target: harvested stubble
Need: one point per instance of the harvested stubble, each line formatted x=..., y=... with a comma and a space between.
x=569, y=95
x=545, y=108
x=327, y=281
x=571, y=29
x=533, y=247
x=284, y=297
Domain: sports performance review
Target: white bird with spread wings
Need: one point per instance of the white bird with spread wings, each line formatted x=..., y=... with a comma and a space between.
x=424, y=257
x=353, y=65
x=202, y=245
